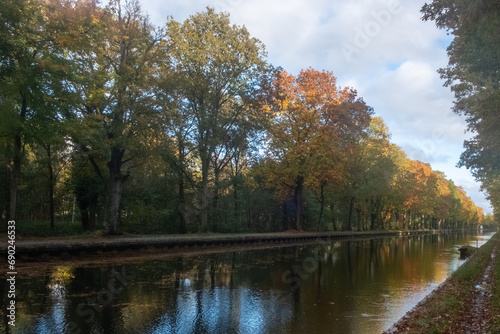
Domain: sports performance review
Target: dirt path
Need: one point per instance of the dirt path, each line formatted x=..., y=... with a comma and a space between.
x=476, y=315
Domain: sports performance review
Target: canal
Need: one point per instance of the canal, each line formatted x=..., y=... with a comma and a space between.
x=359, y=286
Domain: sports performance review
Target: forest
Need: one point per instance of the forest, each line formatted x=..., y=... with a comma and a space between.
x=110, y=123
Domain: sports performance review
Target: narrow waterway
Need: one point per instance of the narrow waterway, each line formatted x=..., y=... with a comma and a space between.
x=360, y=286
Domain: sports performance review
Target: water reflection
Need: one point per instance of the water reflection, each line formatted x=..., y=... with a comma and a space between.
x=347, y=287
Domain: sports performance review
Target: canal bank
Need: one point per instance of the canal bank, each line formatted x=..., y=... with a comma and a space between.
x=36, y=248
x=467, y=302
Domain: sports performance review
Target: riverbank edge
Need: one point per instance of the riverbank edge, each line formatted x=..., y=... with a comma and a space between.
x=444, y=306
x=62, y=246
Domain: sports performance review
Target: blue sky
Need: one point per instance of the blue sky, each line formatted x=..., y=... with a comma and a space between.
x=379, y=47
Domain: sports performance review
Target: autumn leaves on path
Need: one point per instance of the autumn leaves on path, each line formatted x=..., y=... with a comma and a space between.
x=465, y=303
x=476, y=314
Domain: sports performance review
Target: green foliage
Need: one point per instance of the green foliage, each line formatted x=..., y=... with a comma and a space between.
x=472, y=74
x=217, y=68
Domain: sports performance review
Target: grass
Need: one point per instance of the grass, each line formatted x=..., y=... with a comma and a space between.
x=495, y=327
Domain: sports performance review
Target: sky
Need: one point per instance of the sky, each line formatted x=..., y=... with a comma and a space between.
x=381, y=48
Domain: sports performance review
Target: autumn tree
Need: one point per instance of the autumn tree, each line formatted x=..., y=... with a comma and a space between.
x=456, y=205
x=311, y=120
x=416, y=178
x=443, y=202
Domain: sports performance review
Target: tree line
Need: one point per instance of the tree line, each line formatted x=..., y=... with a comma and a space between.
x=121, y=125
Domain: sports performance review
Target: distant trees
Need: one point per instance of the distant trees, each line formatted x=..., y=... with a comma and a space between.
x=125, y=126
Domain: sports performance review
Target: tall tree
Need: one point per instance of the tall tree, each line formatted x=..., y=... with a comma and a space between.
x=419, y=198
x=32, y=70
x=114, y=54
x=378, y=161
x=313, y=122
x=472, y=74
x=219, y=66
x=179, y=126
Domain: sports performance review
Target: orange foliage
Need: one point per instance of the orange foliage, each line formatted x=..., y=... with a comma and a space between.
x=311, y=118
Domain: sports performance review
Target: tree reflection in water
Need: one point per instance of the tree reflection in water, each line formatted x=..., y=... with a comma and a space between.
x=355, y=287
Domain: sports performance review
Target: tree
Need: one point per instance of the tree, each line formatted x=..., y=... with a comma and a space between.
x=312, y=122
x=377, y=161
x=87, y=189
x=444, y=201
x=219, y=67
x=472, y=74
x=49, y=135
x=31, y=70
x=114, y=55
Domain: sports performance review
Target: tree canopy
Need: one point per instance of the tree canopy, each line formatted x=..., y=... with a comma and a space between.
x=472, y=74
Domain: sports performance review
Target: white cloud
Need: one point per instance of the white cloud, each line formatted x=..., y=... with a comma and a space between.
x=393, y=62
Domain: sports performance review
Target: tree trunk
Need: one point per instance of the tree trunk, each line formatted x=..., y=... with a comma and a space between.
x=204, y=194
x=373, y=220
x=92, y=217
x=350, y=214
x=182, y=204
x=16, y=168
x=14, y=180
x=359, y=215
x=85, y=218
x=373, y=216
x=181, y=195
x=116, y=181
x=116, y=187
x=298, y=200
x=334, y=219
x=322, y=204
x=284, y=221
x=235, y=197
x=5, y=188
x=215, y=202
x=51, y=188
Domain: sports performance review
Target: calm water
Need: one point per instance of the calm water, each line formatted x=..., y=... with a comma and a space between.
x=330, y=287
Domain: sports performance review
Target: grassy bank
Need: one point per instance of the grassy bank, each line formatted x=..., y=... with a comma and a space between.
x=449, y=303
x=495, y=326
